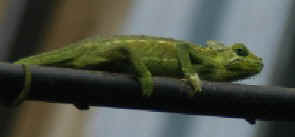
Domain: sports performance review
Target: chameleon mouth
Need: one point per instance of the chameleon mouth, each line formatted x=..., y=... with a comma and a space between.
x=254, y=68
x=245, y=69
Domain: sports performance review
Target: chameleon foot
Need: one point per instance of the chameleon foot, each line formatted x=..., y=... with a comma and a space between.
x=195, y=82
x=146, y=84
x=82, y=106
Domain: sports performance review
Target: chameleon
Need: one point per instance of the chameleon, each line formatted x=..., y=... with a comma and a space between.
x=147, y=56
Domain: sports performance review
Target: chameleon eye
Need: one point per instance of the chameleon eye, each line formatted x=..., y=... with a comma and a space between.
x=240, y=50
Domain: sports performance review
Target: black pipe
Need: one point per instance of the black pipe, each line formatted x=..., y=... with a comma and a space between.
x=83, y=88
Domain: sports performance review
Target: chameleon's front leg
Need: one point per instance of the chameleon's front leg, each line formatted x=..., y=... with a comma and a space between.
x=183, y=56
x=142, y=73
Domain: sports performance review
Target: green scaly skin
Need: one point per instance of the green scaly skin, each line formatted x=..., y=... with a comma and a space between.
x=145, y=56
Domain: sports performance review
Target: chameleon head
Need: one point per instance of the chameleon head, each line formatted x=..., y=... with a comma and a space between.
x=232, y=62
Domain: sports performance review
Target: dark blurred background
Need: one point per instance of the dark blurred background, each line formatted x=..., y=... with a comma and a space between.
x=31, y=26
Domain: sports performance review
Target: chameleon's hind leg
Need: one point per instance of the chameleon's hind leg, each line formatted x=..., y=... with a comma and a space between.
x=27, y=86
x=121, y=54
x=142, y=73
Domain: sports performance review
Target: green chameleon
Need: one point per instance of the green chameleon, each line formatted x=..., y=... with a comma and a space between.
x=147, y=56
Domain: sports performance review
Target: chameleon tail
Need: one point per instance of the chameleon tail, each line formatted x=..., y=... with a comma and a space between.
x=27, y=86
